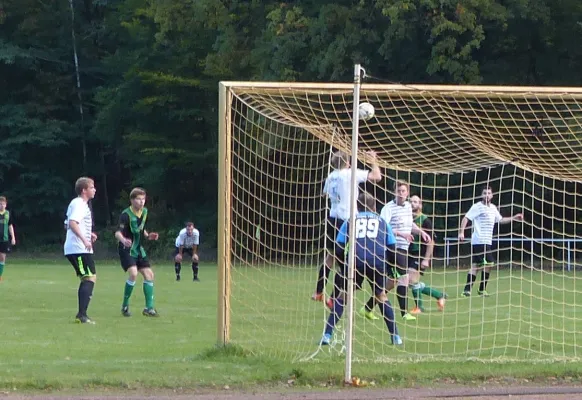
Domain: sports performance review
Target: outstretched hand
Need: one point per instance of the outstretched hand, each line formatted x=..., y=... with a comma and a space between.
x=153, y=236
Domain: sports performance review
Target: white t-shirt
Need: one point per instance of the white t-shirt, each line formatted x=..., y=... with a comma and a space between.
x=188, y=241
x=337, y=188
x=78, y=211
x=483, y=217
x=400, y=219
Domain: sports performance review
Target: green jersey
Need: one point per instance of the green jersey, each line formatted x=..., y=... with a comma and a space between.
x=4, y=224
x=131, y=227
x=418, y=247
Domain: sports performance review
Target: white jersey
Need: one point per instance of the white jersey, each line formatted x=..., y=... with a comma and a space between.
x=400, y=219
x=79, y=212
x=483, y=217
x=337, y=188
x=188, y=241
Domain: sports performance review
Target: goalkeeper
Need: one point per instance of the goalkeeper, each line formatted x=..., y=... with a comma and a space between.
x=373, y=238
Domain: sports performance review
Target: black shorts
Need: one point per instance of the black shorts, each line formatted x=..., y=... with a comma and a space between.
x=184, y=251
x=128, y=261
x=397, y=260
x=333, y=226
x=82, y=263
x=5, y=247
x=482, y=254
x=414, y=263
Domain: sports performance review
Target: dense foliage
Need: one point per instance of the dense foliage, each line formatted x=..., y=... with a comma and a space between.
x=146, y=111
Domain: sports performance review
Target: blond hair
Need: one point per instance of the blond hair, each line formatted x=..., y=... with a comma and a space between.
x=339, y=160
x=83, y=183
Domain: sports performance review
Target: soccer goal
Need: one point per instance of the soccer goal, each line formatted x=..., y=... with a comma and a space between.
x=448, y=142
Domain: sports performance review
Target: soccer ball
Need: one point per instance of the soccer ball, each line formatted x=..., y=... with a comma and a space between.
x=366, y=111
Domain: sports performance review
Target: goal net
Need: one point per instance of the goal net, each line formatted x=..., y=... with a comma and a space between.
x=448, y=142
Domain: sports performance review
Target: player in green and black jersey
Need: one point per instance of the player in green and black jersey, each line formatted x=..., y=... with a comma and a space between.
x=420, y=257
x=132, y=255
x=7, y=238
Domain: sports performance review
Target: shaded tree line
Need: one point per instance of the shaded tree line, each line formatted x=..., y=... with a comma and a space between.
x=149, y=69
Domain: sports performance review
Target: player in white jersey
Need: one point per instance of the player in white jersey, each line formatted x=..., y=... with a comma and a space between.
x=337, y=188
x=398, y=214
x=483, y=215
x=79, y=244
x=187, y=242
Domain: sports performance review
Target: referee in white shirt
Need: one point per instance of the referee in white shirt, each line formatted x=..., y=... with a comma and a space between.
x=483, y=215
x=187, y=242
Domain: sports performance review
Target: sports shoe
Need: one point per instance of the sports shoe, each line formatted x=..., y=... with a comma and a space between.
x=396, y=340
x=325, y=340
x=484, y=293
x=83, y=319
x=368, y=314
x=317, y=297
x=441, y=303
x=196, y=279
x=409, y=317
x=466, y=293
x=416, y=311
x=150, y=312
x=177, y=277
x=125, y=311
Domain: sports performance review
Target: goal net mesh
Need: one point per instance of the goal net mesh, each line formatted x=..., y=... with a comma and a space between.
x=448, y=142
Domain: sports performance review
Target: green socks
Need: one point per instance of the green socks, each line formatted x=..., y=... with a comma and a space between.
x=127, y=292
x=1, y=269
x=432, y=292
x=148, y=291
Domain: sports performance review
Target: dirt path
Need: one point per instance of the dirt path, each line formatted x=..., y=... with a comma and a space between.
x=479, y=393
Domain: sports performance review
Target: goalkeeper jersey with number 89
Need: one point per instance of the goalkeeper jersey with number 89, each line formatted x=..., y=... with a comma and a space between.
x=373, y=236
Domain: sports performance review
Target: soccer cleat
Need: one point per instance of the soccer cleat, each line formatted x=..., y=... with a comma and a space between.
x=150, y=312
x=317, y=297
x=325, y=340
x=177, y=277
x=416, y=311
x=83, y=319
x=409, y=317
x=441, y=303
x=466, y=293
x=396, y=340
x=484, y=293
x=368, y=314
x=125, y=311
x=196, y=279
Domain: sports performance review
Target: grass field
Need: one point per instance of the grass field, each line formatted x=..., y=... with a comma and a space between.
x=41, y=348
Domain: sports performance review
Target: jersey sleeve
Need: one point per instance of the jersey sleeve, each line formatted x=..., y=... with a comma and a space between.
x=76, y=213
x=390, y=237
x=180, y=240
x=342, y=235
x=326, y=186
x=472, y=213
x=386, y=214
x=196, y=238
x=362, y=175
x=123, y=221
x=498, y=216
x=427, y=227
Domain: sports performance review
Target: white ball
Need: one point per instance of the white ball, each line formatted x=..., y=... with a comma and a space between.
x=366, y=111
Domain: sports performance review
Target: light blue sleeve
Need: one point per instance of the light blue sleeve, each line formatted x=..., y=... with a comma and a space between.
x=342, y=234
x=390, y=238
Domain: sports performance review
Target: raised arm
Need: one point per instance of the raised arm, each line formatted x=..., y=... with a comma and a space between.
x=375, y=175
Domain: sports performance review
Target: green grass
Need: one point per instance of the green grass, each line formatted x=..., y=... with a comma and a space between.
x=274, y=324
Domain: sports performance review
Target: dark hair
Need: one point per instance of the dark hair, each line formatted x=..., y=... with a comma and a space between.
x=189, y=224
x=339, y=159
x=486, y=187
x=136, y=192
x=366, y=202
